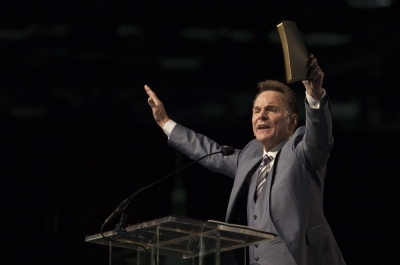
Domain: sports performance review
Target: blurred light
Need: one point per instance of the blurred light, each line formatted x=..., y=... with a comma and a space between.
x=242, y=102
x=180, y=63
x=346, y=111
x=273, y=37
x=59, y=30
x=375, y=118
x=124, y=95
x=213, y=110
x=129, y=30
x=65, y=93
x=217, y=34
x=327, y=39
x=243, y=36
x=178, y=195
x=317, y=38
x=200, y=34
x=15, y=34
x=369, y=3
x=28, y=112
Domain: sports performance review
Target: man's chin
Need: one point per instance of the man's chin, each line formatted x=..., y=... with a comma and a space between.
x=263, y=139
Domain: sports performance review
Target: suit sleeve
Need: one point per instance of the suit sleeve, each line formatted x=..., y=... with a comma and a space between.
x=196, y=145
x=318, y=140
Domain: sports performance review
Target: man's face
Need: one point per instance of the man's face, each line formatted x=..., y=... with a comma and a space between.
x=271, y=120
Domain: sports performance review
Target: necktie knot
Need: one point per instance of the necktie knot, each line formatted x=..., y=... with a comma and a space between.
x=266, y=159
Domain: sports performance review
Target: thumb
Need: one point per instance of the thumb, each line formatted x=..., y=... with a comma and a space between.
x=151, y=102
x=306, y=83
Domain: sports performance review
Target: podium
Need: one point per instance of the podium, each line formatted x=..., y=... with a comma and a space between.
x=175, y=240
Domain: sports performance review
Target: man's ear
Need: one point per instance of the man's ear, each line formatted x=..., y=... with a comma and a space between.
x=294, y=119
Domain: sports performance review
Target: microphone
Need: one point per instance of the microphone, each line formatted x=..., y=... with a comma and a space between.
x=226, y=151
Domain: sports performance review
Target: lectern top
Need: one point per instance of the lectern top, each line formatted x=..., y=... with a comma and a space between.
x=176, y=236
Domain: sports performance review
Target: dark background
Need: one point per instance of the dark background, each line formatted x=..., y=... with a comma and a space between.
x=77, y=135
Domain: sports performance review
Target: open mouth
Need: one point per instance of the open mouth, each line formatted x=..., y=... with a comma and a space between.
x=263, y=127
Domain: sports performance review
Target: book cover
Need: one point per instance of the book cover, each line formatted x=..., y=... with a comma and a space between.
x=294, y=52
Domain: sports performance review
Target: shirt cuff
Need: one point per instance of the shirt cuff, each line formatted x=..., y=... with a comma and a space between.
x=168, y=127
x=315, y=104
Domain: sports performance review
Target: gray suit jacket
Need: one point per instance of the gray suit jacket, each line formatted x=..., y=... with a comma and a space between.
x=297, y=183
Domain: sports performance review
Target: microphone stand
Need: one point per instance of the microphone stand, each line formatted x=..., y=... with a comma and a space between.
x=226, y=151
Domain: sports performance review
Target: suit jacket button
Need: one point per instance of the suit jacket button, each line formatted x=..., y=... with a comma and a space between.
x=256, y=245
x=256, y=258
x=254, y=217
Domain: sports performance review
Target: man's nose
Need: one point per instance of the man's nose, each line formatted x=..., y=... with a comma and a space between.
x=263, y=115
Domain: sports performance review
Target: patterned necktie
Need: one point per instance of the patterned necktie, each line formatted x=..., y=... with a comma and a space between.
x=265, y=167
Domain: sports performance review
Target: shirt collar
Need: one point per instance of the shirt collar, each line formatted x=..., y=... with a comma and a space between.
x=274, y=151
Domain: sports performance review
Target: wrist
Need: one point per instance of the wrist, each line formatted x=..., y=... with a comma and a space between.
x=163, y=122
x=315, y=93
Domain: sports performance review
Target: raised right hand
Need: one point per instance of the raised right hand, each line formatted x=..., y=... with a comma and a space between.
x=314, y=86
x=159, y=113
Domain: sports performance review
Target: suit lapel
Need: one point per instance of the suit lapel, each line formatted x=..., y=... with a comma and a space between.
x=244, y=172
x=277, y=169
x=272, y=172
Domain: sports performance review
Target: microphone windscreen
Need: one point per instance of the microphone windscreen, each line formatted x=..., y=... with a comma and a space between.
x=228, y=150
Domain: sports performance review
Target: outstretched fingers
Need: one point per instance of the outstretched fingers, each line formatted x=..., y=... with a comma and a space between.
x=316, y=73
x=314, y=84
x=311, y=60
x=159, y=113
x=153, y=99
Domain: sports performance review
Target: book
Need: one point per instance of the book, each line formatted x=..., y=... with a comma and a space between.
x=295, y=53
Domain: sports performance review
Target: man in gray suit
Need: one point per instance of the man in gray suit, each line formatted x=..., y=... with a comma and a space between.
x=279, y=176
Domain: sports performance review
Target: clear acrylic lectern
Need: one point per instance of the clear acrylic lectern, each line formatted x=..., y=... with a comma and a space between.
x=175, y=240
